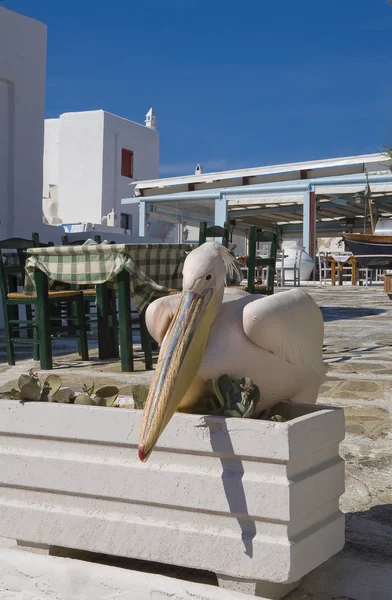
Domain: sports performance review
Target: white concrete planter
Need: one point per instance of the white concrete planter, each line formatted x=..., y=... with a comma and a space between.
x=246, y=499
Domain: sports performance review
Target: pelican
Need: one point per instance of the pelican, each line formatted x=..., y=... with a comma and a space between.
x=209, y=330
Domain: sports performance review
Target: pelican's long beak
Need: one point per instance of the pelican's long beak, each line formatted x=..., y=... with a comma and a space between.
x=179, y=361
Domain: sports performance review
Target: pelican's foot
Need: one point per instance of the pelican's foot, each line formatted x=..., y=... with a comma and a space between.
x=266, y=590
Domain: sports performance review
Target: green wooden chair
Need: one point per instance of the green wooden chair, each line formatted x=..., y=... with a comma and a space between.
x=40, y=325
x=213, y=232
x=89, y=294
x=258, y=235
x=105, y=299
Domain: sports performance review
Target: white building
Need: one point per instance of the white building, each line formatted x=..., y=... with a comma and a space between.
x=92, y=157
x=22, y=105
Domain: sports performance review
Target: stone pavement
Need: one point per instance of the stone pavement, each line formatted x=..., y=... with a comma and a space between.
x=358, y=350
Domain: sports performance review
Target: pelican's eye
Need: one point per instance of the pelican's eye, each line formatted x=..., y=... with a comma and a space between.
x=208, y=277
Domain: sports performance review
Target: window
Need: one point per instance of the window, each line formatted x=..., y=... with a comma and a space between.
x=127, y=163
x=126, y=221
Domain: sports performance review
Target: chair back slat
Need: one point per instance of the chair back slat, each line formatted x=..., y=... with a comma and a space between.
x=213, y=232
x=10, y=270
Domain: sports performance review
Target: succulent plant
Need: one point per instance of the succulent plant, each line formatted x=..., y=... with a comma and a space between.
x=30, y=387
x=106, y=396
x=267, y=415
x=139, y=393
x=51, y=390
x=233, y=398
x=84, y=399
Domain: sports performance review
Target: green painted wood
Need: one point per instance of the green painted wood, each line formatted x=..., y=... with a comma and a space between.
x=113, y=324
x=215, y=231
x=124, y=313
x=13, y=309
x=81, y=327
x=36, y=352
x=252, y=258
x=29, y=316
x=12, y=276
x=42, y=315
x=103, y=321
x=202, y=232
x=272, y=265
x=9, y=344
x=146, y=341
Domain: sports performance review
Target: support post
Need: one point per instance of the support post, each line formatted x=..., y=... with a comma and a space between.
x=221, y=213
x=142, y=218
x=309, y=222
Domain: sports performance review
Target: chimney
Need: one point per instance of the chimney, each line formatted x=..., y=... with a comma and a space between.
x=151, y=119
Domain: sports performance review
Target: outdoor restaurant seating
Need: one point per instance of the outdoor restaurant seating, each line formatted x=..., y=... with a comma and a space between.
x=44, y=312
x=70, y=289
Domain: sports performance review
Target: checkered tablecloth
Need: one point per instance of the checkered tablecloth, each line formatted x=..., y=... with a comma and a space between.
x=154, y=268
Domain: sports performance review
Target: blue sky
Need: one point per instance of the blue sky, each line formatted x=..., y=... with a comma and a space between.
x=234, y=84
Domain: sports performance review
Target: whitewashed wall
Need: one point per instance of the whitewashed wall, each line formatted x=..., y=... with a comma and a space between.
x=80, y=166
x=22, y=103
x=144, y=142
x=83, y=156
x=51, y=154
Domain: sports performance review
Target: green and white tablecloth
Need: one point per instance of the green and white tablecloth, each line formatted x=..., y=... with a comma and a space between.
x=154, y=268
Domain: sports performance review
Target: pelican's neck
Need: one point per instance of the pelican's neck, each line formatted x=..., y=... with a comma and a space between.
x=219, y=292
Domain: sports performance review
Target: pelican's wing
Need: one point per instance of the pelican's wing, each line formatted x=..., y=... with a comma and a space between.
x=290, y=325
x=159, y=315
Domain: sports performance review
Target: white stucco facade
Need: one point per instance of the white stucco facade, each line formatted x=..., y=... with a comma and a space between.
x=83, y=156
x=51, y=155
x=22, y=105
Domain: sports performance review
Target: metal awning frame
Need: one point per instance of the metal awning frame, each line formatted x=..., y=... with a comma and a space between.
x=225, y=200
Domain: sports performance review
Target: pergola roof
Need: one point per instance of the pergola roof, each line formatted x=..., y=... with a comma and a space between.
x=267, y=174
x=283, y=209
x=270, y=196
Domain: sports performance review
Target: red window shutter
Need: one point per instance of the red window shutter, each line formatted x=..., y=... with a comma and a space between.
x=126, y=163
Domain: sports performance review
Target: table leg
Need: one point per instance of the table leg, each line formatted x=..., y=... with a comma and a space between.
x=103, y=321
x=113, y=325
x=124, y=317
x=42, y=318
x=340, y=273
x=333, y=272
x=354, y=271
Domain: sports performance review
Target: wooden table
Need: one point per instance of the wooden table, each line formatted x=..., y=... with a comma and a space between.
x=334, y=261
x=138, y=271
x=388, y=284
